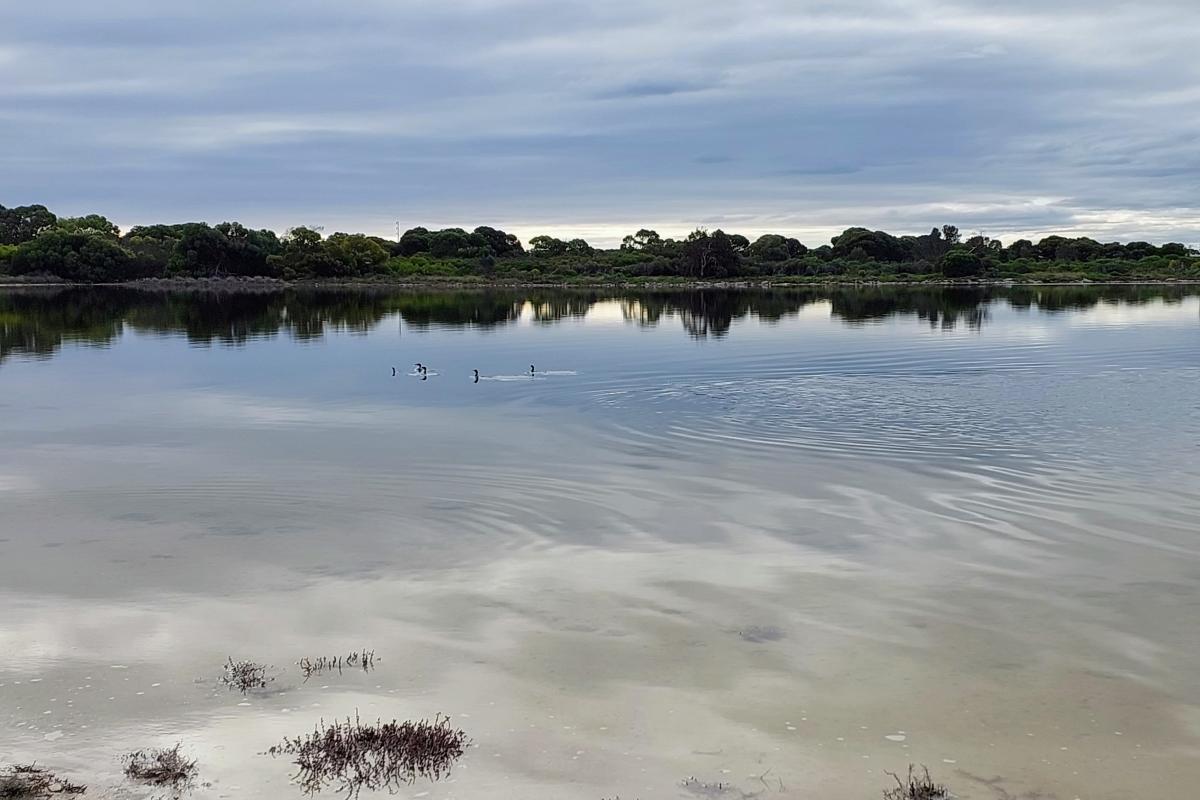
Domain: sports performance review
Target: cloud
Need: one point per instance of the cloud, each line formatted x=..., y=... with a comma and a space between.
x=540, y=115
x=651, y=88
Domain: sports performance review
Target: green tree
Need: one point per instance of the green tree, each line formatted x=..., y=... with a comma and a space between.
x=304, y=254
x=929, y=248
x=302, y=239
x=961, y=263
x=982, y=245
x=547, y=246
x=202, y=251
x=644, y=239
x=773, y=247
x=20, y=224
x=361, y=254
x=708, y=255
x=500, y=244
x=860, y=244
x=248, y=251
x=74, y=256
x=152, y=246
x=414, y=240
x=93, y=223
x=1051, y=247
x=1022, y=248
x=7, y=251
x=457, y=243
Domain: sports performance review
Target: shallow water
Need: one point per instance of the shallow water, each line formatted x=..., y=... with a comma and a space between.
x=780, y=540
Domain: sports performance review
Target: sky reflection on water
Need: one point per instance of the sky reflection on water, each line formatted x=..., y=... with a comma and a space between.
x=968, y=521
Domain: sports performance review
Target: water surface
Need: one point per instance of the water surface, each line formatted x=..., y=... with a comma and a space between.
x=782, y=540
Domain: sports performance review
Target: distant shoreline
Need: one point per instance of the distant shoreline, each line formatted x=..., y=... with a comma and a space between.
x=37, y=245
x=275, y=284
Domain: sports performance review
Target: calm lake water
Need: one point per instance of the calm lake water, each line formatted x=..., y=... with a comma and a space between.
x=780, y=540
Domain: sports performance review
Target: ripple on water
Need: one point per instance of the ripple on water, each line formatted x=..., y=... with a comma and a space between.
x=1029, y=453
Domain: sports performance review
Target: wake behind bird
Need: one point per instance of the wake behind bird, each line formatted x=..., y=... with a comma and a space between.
x=527, y=376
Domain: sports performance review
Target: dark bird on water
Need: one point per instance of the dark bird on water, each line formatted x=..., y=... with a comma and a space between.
x=477, y=376
x=393, y=372
x=531, y=369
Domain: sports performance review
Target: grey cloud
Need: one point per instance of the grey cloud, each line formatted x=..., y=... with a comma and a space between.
x=830, y=169
x=800, y=116
x=651, y=89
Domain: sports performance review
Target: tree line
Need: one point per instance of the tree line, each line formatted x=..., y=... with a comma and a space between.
x=91, y=249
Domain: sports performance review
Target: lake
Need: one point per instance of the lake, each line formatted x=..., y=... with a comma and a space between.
x=774, y=542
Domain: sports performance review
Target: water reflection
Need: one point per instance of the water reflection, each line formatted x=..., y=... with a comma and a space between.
x=36, y=322
x=833, y=540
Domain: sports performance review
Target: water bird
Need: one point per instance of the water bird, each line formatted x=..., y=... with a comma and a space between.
x=393, y=372
x=477, y=376
x=532, y=371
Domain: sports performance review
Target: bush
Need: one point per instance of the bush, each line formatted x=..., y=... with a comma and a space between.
x=352, y=756
x=74, y=256
x=916, y=786
x=30, y=782
x=7, y=251
x=166, y=767
x=245, y=676
x=417, y=265
x=961, y=264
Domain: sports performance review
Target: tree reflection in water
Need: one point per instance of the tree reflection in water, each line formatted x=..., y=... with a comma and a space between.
x=35, y=322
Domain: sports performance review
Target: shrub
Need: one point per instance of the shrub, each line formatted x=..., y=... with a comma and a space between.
x=916, y=787
x=245, y=675
x=74, y=256
x=29, y=782
x=167, y=767
x=353, y=756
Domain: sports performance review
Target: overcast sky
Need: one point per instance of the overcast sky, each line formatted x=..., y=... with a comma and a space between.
x=1012, y=117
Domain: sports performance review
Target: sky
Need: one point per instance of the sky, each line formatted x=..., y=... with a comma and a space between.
x=1011, y=119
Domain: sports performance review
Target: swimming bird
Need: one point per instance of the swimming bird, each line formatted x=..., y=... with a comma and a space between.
x=419, y=367
x=393, y=372
x=531, y=369
x=477, y=376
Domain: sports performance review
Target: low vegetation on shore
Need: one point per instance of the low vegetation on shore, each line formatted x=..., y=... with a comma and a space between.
x=351, y=756
x=36, y=243
x=244, y=676
x=166, y=767
x=916, y=786
x=358, y=659
x=31, y=782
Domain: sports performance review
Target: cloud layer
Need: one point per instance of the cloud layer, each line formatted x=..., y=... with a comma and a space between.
x=1019, y=118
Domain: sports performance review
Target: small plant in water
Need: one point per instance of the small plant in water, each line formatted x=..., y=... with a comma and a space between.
x=352, y=756
x=29, y=782
x=245, y=675
x=165, y=767
x=359, y=659
x=916, y=787
x=704, y=788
